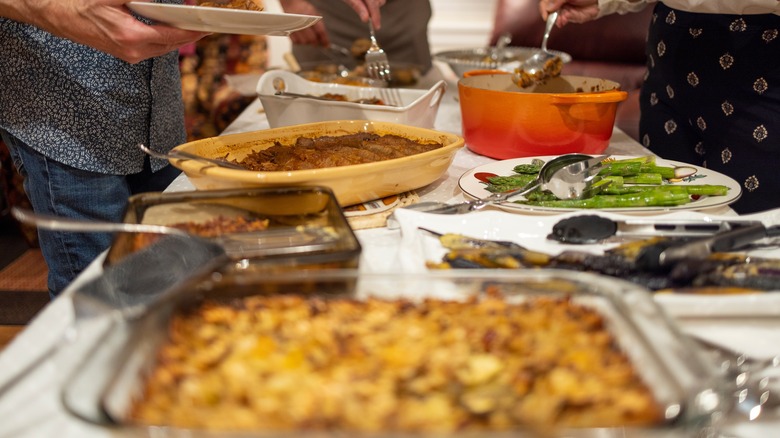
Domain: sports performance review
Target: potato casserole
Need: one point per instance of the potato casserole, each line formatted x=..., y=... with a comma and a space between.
x=291, y=362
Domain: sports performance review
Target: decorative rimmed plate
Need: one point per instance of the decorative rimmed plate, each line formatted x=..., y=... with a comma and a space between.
x=223, y=20
x=475, y=188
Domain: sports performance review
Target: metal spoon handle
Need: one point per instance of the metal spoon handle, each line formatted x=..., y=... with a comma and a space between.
x=57, y=223
x=551, y=19
x=175, y=153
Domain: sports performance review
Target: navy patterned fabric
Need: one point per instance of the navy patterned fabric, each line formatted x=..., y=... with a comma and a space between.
x=84, y=108
x=712, y=98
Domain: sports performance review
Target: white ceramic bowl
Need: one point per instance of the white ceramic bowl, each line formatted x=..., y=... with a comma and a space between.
x=417, y=107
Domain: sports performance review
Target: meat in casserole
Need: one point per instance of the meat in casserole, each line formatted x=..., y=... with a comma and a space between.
x=215, y=227
x=334, y=151
x=288, y=362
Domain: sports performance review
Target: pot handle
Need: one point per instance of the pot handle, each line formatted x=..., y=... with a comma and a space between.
x=483, y=72
x=597, y=97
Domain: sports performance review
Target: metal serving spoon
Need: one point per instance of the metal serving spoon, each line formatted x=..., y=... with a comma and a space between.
x=237, y=245
x=540, y=65
x=569, y=176
x=183, y=155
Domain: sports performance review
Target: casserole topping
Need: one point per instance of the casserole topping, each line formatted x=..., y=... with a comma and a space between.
x=334, y=151
x=289, y=362
x=219, y=226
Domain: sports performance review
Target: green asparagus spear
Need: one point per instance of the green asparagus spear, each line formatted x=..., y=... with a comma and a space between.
x=656, y=198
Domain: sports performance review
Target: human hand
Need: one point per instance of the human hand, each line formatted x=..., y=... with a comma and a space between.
x=368, y=10
x=570, y=11
x=106, y=25
x=316, y=34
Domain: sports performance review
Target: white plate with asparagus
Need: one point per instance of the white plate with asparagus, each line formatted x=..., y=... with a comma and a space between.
x=630, y=184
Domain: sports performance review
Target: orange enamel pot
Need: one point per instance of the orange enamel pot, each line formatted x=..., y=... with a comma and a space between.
x=568, y=114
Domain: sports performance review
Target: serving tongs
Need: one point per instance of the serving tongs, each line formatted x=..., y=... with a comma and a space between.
x=592, y=228
x=570, y=176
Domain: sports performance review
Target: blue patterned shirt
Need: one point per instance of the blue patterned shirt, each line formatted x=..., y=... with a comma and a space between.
x=85, y=108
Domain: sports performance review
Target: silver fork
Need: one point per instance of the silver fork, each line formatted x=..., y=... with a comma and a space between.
x=378, y=67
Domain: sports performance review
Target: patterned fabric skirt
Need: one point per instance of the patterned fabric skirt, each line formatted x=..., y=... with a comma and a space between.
x=712, y=98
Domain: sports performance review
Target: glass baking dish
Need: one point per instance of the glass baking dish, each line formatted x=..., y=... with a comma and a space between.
x=301, y=221
x=689, y=392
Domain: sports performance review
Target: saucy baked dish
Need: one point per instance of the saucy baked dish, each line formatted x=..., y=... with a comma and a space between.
x=290, y=362
x=334, y=151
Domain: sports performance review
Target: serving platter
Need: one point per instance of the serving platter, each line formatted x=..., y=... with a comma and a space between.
x=475, y=188
x=531, y=232
x=223, y=20
x=351, y=184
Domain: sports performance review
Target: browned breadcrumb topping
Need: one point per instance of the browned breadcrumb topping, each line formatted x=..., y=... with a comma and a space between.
x=218, y=226
x=334, y=151
x=295, y=363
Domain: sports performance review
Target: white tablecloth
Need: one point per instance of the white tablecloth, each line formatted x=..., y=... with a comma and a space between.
x=34, y=409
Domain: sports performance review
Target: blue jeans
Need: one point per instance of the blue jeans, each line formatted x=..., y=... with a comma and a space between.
x=61, y=190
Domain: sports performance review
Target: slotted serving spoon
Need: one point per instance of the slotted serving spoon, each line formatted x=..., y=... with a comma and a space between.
x=540, y=65
x=569, y=176
x=237, y=245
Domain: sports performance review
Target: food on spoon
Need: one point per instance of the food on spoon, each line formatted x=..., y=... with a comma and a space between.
x=292, y=363
x=249, y=5
x=334, y=151
x=552, y=68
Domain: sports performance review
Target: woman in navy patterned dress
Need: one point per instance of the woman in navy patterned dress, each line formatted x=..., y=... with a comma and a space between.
x=712, y=91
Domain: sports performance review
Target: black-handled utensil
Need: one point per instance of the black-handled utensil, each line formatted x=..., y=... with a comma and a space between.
x=655, y=257
x=589, y=228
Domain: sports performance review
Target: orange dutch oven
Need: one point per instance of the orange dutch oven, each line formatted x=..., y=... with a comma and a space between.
x=567, y=114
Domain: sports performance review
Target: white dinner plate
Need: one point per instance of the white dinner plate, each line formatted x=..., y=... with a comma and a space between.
x=223, y=20
x=475, y=188
x=530, y=231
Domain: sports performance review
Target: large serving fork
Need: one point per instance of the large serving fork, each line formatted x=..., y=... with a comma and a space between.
x=378, y=67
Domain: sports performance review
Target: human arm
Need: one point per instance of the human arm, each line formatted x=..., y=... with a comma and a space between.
x=316, y=34
x=106, y=25
x=367, y=9
x=581, y=11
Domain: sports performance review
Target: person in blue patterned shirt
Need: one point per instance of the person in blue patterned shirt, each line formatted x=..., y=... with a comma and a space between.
x=82, y=84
